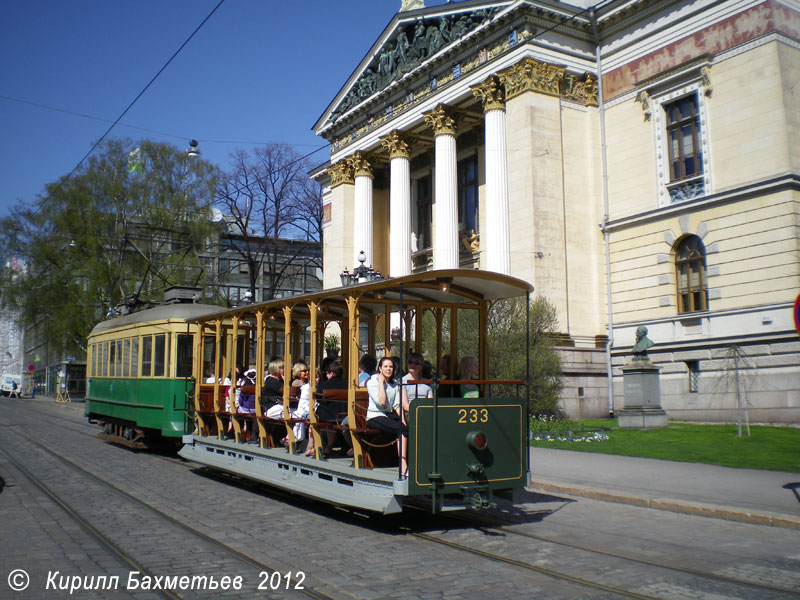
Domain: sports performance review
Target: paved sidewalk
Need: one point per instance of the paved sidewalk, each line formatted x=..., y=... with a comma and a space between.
x=746, y=495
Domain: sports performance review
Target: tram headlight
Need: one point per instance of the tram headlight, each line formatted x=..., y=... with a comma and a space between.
x=477, y=440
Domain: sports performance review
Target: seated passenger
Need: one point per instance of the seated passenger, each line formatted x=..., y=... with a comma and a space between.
x=272, y=392
x=410, y=393
x=366, y=367
x=317, y=380
x=383, y=412
x=328, y=410
x=468, y=369
x=300, y=379
x=445, y=389
x=246, y=401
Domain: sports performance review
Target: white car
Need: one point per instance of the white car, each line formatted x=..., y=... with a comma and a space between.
x=7, y=384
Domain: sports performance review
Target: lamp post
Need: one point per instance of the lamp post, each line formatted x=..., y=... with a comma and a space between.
x=361, y=273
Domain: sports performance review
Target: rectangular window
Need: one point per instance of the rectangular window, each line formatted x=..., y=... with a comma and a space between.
x=118, y=360
x=159, y=354
x=683, y=138
x=126, y=358
x=423, y=213
x=104, y=360
x=468, y=195
x=135, y=357
x=147, y=356
x=112, y=357
x=694, y=375
x=184, y=365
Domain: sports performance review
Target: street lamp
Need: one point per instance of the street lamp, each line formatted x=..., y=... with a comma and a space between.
x=360, y=274
x=193, y=152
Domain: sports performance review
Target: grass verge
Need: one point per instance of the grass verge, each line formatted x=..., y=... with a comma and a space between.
x=768, y=448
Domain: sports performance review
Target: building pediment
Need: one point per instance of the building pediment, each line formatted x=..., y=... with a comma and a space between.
x=411, y=39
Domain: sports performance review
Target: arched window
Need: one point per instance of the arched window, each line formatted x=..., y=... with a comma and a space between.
x=690, y=268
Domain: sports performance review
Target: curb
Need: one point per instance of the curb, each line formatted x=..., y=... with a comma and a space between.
x=676, y=506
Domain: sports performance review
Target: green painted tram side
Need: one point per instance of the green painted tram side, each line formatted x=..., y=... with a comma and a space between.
x=157, y=404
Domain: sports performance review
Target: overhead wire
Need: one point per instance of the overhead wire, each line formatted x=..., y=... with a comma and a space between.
x=141, y=93
x=103, y=120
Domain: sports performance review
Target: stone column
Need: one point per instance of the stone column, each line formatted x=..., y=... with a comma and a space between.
x=399, y=204
x=362, y=209
x=496, y=237
x=338, y=254
x=445, y=218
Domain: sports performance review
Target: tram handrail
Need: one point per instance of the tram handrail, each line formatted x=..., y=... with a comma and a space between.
x=467, y=381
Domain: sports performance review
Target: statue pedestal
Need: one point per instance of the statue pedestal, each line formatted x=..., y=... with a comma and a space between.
x=642, y=396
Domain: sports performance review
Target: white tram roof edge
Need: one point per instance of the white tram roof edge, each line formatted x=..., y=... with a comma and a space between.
x=464, y=286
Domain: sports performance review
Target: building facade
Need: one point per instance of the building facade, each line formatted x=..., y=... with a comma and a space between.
x=634, y=160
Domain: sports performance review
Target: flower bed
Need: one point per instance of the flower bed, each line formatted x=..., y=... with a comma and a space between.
x=552, y=429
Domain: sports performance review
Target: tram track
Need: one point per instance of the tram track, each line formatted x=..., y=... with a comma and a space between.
x=494, y=526
x=499, y=526
x=504, y=527
x=114, y=548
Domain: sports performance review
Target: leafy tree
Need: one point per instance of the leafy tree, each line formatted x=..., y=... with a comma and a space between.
x=506, y=340
x=275, y=213
x=117, y=232
x=507, y=350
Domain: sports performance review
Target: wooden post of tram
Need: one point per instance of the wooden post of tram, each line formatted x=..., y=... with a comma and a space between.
x=352, y=377
x=218, y=372
x=418, y=329
x=453, y=342
x=313, y=310
x=199, y=352
x=387, y=330
x=237, y=428
x=287, y=374
x=260, y=371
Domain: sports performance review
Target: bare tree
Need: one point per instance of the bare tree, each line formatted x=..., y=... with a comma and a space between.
x=275, y=214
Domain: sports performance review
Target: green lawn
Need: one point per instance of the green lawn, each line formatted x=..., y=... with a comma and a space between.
x=769, y=448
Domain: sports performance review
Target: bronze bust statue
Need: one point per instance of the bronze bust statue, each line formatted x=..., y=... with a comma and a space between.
x=643, y=342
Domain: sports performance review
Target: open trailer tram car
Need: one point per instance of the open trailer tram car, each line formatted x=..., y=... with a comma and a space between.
x=461, y=451
x=139, y=367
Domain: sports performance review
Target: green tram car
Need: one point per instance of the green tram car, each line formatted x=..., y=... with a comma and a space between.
x=139, y=374
x=462, y=451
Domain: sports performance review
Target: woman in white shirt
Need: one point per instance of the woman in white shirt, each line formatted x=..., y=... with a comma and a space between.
x=383, y=412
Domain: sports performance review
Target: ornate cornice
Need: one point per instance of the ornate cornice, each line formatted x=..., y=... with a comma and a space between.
x=396, y=145
x=491, y=94
x=530, y=75
x=360, y=165
x=443, y=123
x=341, y=172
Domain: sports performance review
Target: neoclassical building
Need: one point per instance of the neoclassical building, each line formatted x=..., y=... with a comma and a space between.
x=635, y=160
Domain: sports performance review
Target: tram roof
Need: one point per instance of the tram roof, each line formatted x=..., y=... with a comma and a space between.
x=162, y=312
x=465, y=287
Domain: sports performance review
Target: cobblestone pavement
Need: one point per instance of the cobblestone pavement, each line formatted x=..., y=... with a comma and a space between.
x=341, y=555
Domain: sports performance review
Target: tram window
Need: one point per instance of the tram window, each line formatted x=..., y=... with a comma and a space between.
x=159, y=355
x=134, y=357
x=118, y=360
x=208, y=355
x=147, y=356
x=126, y=358
x=104, y=359
x=184, y=366
x=111, y=358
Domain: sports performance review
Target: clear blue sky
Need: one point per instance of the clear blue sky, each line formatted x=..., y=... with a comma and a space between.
x=258, y=71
